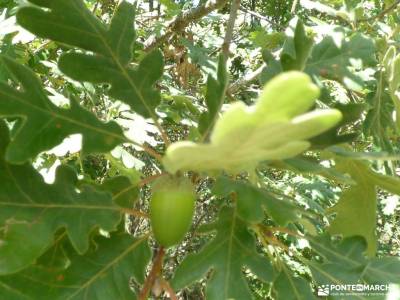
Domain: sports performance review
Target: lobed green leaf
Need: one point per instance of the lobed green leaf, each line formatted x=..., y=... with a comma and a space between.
x=357, y=206
x=103, y=273
x=45, y=125
x=31, y=211
x=232, y=249
x=109, y=49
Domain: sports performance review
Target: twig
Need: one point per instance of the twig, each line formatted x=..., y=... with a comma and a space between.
x=164, y=135
x=229, y=28
x=284, y=230
x=134, y=212
x=154, y=273
x=225, y=54
x=147, y=149
x=382, y=13
x=167, y=288
x=257, y=15
x=234, y=87
x=96, y=5
x=182, y=21
x=294, y=5
x=150, y=179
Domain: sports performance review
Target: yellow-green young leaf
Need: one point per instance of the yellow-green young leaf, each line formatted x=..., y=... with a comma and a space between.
x=356, y=209
x=274, y=128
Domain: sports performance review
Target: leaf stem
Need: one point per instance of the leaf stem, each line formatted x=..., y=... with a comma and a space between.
x=294, y=5
x=154, y=273
x=164, y=135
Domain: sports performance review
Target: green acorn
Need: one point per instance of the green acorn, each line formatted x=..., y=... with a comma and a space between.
x=171, y=210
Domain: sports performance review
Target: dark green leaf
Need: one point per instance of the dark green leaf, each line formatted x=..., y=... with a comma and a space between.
x=70, y=22
x=344, y=263
x=288, y=287
x=124, y=192
x=351, y=113
x=252, y=201
x=336, y=58
x=383, y=270
x=356, y=209
x=310, y=165
x=46, y=125
x=379, y=121
x=273, y=68
x=31, y=211
x=232, y=249
x=103, y=273
x=338, y=61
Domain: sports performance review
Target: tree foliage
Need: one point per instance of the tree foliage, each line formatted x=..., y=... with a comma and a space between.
x=281, y=118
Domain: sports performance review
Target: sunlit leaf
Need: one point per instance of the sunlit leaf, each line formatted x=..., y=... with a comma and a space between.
x=340, y=61
x=274, y=128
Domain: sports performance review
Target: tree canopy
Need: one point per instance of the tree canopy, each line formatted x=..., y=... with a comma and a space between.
x=199, y=149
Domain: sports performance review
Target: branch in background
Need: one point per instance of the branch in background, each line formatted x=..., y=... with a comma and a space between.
x=147, y=149
x=382, y=13
x=294, y=5
x=135, y=213
x=229, y=28
x=151, y=178
x=257, y=15
x=234, y=87
x=182, y=21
